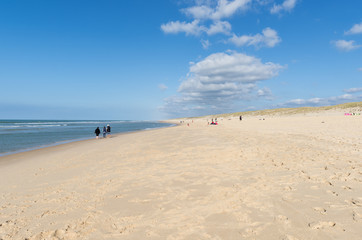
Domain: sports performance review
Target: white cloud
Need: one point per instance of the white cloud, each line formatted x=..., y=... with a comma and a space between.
x=221, y=79
x=234, y=67
x=322, y=101
x=347, y=97
x=223, y=9
x=298, y=101
x=353, y=90
x=199, y=12
x=268, y=38
x=219, y=27
x=208, y=18
x=287, y=6
x=345, y=45
x=192, y=28
x=356, y=29
x=265, y=92
x=162, y=87
x=360, y=69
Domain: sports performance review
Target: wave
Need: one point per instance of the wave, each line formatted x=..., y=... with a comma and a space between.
x=33, y=126
x=23, y=122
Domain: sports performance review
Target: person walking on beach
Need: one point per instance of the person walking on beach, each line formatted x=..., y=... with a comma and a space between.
x=97, y=132
x=241, y=118
x=108, y=130
x=104, y=132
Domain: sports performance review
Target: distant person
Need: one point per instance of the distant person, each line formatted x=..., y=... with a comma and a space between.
x=241, y=118
x=104, y=132
x=97, y=132
x=108, y=130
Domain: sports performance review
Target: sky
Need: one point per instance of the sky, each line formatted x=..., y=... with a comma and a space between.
x=153, y=60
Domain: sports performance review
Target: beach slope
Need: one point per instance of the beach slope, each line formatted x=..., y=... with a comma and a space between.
x=266, y=177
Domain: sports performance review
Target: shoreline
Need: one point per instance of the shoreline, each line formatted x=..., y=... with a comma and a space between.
x=4, y=154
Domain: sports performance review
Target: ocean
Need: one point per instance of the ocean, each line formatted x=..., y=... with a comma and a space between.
x=23, y=135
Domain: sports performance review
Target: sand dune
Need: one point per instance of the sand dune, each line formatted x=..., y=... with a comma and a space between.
x=286, y=177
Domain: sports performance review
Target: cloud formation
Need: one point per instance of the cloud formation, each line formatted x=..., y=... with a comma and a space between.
x=346, y=45
x=266, y=93
x=216, y=82
x=322, y=101
x=353, y=90
x=356, y=29
x=350, y=45
x=223, y=79
x=232, y=67
x=219, y=27
x=203, y=11
x=268, y=38
x=208, y=17
x=192, y=28
x=286, y=6
x=223, y=9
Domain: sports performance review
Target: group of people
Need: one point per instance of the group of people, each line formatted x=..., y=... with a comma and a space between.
x=212, y=122
x=106, y=131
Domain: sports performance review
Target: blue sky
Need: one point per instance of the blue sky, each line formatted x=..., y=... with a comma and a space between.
x=149, y=60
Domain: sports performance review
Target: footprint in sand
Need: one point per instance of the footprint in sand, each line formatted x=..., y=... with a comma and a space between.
x=282, y=219
x=321, y=225
x=329, y=183
x=289, y=237
x=8, y=228
x=332, y=192
x=288, y=188
x=320, y=210
x=356, y=216
x=57, y=234
x=354, y=202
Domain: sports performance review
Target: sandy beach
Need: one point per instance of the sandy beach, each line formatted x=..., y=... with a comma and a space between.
x=265, y=177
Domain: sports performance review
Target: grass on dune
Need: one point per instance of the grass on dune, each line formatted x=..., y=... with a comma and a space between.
x=354, y=106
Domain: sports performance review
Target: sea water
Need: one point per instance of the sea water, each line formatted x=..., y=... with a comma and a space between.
x=24, y=135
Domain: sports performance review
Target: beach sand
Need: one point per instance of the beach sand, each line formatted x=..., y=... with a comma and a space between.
x=285, y=177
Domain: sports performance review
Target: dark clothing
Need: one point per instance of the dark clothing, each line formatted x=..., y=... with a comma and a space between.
x=104, y=132
x=108, y=129
x=97, y=131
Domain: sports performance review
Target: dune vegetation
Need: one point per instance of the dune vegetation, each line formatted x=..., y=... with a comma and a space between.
x=348, y=107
